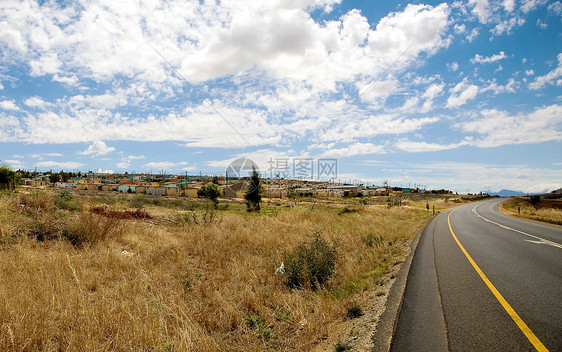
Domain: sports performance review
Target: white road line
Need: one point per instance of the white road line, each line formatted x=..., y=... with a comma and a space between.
x=550, y=243
x=550, y=227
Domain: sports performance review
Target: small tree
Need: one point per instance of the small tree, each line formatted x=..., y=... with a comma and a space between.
x=8, y=178
x=253, y=193
x=210, y=191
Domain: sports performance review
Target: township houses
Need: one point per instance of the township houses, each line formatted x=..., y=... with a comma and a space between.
x=188, y=186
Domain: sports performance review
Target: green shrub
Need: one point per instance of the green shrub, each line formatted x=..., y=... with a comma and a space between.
x=342, y=346
x=259, y=325
x=354, y=311
x=311, y=264
x=536, y=199
x=65, y=200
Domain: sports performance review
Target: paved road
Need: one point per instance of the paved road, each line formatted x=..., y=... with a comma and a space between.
x=447, y=303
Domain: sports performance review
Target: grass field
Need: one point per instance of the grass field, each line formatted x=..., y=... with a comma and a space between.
x=546, y=210
x=131, y=273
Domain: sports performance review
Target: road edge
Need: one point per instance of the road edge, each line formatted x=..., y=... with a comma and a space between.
x=386, y=326
x=514, y=215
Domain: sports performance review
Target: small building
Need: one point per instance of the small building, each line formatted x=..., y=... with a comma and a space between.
x=235, y=190
x=110, y=187
x=65, y=185
x=126, y=188
x=191, y=192
x=172, y=191
x=156, y=191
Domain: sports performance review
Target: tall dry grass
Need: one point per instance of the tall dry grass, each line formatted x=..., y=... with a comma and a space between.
x=546, y=210
x=186, y=286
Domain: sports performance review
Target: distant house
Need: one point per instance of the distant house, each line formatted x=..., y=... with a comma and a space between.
x=65, y=185
x=191, y=192
x=110, y=187
x=127, y=188
x=236, y=190
x=156, y=191
x=275, y=192
x=172, y=191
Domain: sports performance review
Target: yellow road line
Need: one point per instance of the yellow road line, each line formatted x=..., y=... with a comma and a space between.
x=520, y=323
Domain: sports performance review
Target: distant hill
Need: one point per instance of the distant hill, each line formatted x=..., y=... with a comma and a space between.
x=506, y=193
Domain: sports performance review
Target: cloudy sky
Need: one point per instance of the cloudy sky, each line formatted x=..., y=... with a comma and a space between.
x=462, y=95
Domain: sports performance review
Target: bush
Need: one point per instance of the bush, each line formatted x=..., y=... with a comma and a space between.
x=312, y=264
x=211, y=192
x=91, y=228
x=536, y=199
x=354, y=311
x=35, y=202
x=342, y=346
x=65, y=200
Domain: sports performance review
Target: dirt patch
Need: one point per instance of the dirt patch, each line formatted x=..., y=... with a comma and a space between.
x=120, y=214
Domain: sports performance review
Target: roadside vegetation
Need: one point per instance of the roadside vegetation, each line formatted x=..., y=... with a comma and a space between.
x=104, y=271
x=535, y=208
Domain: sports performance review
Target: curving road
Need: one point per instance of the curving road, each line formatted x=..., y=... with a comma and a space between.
x=506, y=297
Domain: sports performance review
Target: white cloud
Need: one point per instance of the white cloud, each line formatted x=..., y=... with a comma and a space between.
x=36, y=102
x=353, y=149
x=377, y=90
x=555, y=8
x=549, y=78
x=461, y=93
x=529, y=72
x=541, y=24
x=14, y=164
x=65, y=165
x=508, y=5
x=507, y=26
x=483, y=59
x=417, y=147
x=126, y=161
x=476, y=177
x=71, y=81
x=374, y=125
x=8, y=105
x=44, y=65
x=481, y=9
x=459, y=28
x=500, y=128
x=307, y=69
x=162, y=165
x=472, y=35
x=529, y=5
x=510, y=87
x=453, y=66
x=97, y=148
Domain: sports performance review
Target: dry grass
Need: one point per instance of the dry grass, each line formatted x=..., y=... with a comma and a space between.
x=546, y=210
x=164, y=285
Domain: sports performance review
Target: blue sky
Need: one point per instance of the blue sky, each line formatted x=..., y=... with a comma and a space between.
x=462, y=95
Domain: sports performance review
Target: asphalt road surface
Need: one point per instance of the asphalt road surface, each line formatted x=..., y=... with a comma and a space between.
x=506, y=297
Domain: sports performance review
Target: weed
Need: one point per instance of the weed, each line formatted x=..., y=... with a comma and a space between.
x=259, y=325
x=65, y=200
x=380, y=293
x=90, y=228
x=347, y=210
x=186, y=283
x=372, y=240
x=342, y=346
x=354, y=311
x=311, y=264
